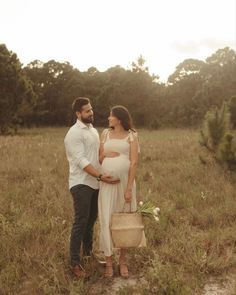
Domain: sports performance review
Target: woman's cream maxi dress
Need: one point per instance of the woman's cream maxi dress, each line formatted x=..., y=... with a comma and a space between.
x=111, y=196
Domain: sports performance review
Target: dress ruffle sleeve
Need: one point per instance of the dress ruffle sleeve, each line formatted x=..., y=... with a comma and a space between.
x=132, y=136
x=104, y=135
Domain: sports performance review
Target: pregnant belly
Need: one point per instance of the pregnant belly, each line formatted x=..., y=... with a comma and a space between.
x=117, y=166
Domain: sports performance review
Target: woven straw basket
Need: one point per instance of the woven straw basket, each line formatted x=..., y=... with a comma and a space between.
x=126, y=229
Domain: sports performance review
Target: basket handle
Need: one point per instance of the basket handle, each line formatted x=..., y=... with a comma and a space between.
x=124, y=207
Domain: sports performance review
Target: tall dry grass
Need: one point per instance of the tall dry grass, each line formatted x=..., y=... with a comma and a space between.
x=196, y=235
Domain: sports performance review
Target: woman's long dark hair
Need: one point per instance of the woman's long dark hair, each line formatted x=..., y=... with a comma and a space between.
x=122, y=114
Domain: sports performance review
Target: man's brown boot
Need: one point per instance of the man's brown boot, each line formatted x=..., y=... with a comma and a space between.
x=79, y=272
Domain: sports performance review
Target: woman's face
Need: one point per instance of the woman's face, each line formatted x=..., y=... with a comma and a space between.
x=113, y=121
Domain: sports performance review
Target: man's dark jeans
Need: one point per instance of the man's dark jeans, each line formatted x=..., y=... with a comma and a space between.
x=85, y=201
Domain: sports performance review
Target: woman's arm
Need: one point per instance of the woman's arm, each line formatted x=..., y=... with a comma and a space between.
x=101, y=148
x=133, y=168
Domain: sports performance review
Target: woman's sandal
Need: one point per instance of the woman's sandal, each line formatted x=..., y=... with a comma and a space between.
x=124, y=270
x=108, y=271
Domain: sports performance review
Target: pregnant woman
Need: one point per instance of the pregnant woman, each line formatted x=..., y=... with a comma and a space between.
x=119, y=157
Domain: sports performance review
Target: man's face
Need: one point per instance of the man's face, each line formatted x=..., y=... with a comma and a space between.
x=86, y=114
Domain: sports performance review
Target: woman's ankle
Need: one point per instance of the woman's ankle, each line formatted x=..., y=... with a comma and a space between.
x=108, y=260
x=122, y=260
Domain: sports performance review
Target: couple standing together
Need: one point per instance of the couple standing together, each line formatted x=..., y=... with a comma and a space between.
x=101, y=180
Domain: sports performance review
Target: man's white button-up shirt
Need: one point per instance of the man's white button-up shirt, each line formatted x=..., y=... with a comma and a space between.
x=82, y=149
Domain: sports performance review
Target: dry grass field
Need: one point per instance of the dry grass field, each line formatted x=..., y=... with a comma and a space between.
x=194, y=240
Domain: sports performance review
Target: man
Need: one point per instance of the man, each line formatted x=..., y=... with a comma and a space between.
x=82, y=151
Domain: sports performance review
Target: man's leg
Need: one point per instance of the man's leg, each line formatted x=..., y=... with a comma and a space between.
x=82, y=196
x=88, y=236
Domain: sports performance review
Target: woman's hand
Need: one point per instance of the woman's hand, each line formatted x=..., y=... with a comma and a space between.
x=110, y=154
x=128, y=196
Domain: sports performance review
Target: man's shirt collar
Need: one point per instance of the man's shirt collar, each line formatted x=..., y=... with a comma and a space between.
x=82, y=125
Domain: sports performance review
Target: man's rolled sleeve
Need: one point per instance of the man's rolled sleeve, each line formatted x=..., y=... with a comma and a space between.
x=83, y=162
x=76, y=151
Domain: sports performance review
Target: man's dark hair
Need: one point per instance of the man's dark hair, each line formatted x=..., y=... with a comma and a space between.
x=78, y=103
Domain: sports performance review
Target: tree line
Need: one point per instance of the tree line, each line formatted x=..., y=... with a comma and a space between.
x=41, y=94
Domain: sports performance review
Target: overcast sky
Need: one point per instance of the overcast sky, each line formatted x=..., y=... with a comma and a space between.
x=105, y=33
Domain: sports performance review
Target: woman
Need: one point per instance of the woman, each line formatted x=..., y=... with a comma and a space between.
x=119, y=157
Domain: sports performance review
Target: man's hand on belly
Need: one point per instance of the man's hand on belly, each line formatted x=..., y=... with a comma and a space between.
x=110, y=179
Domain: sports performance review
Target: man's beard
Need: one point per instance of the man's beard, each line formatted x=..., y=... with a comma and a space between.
x=87, y=120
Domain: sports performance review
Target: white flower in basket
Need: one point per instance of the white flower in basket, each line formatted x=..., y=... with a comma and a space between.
x=148, y=209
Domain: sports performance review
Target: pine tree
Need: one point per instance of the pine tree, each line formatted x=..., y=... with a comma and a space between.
x=232, y=110
x=216, y=124
x=218, y=138
x=227, y=150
